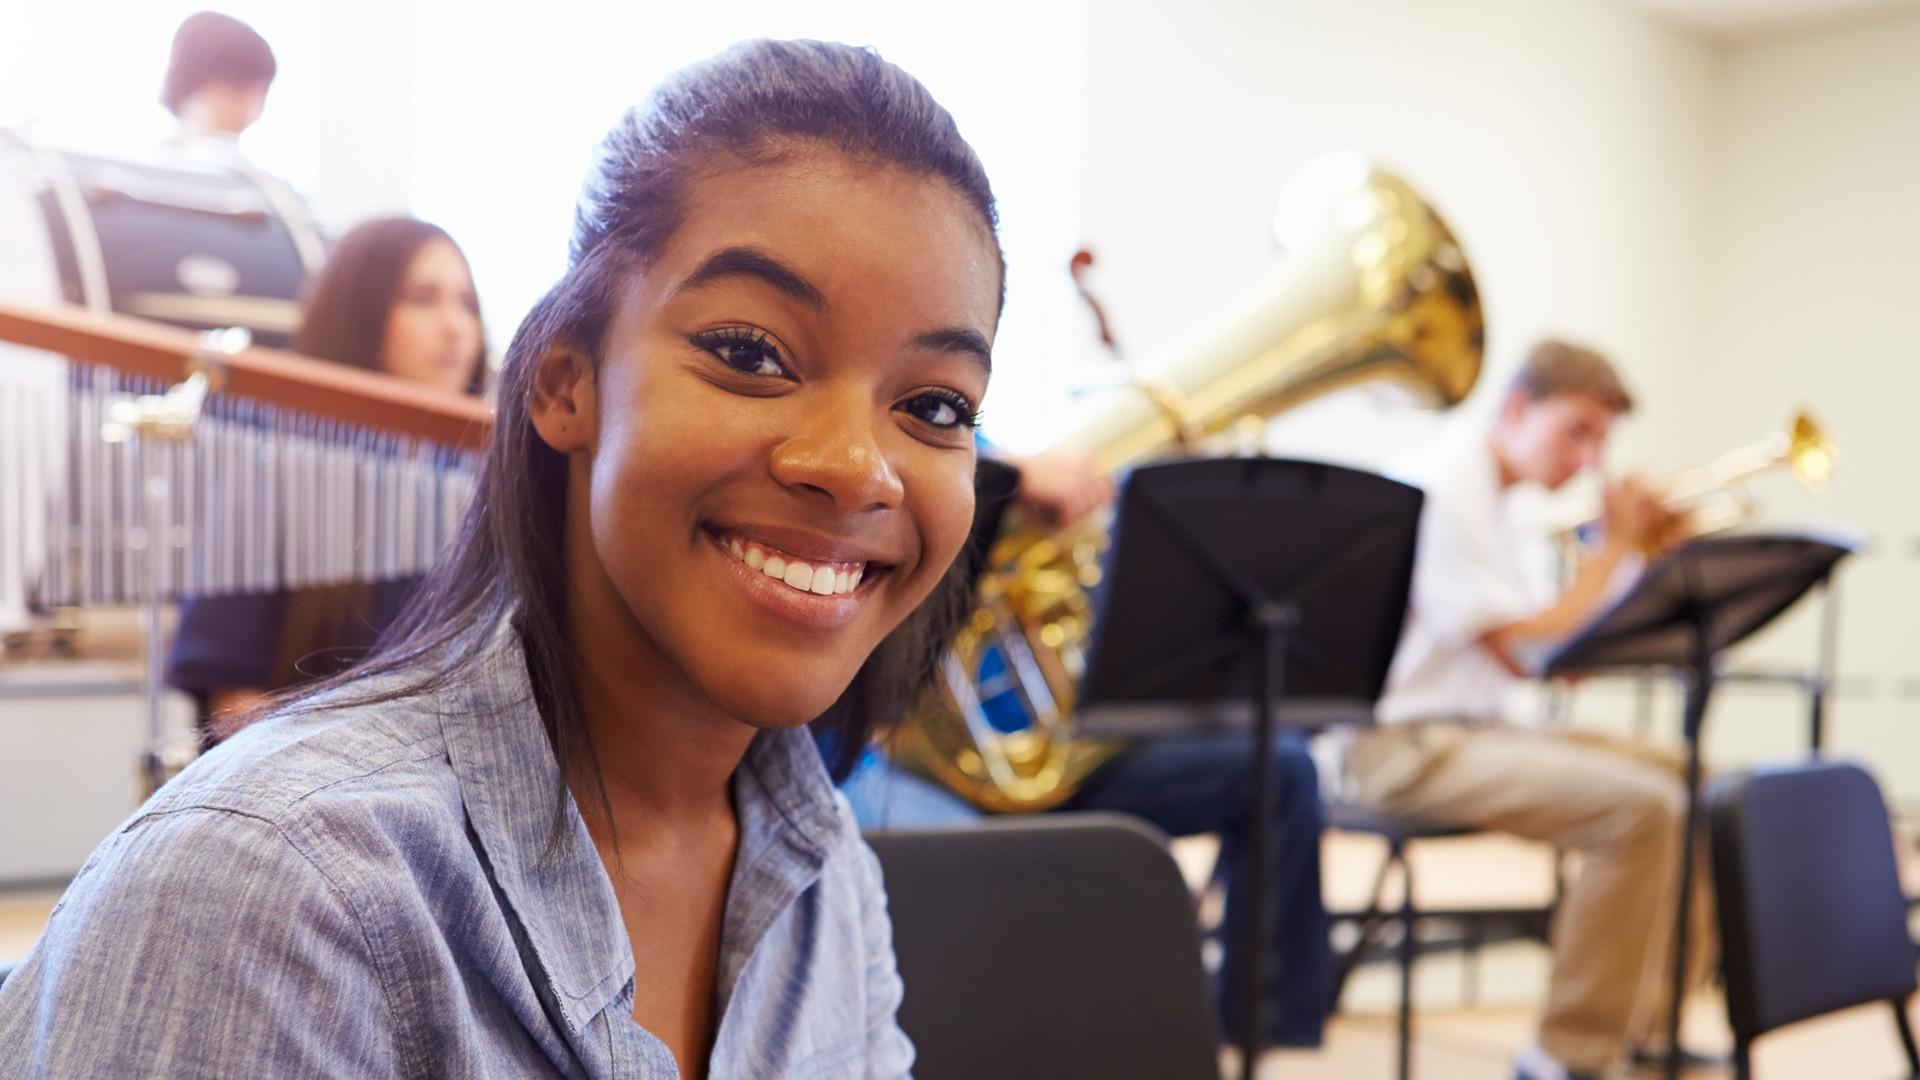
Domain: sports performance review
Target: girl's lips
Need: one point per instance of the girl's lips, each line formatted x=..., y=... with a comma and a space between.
x=781, y=597
x=808, y=576
x=807, y=545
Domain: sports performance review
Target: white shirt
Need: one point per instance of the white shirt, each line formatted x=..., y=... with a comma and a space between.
x=1476, y=569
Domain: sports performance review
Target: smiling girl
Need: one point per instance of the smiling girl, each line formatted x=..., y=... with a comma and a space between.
x=567, y=819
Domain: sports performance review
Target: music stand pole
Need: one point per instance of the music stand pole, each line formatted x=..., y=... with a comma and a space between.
x=1699, y=690
x=1275, y=623
x=1822, y=680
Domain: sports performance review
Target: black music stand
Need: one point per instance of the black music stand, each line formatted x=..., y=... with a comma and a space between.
x=1693, y=603
x=1250, y=579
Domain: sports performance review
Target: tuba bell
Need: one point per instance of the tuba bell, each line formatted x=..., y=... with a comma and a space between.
x=1374, y=287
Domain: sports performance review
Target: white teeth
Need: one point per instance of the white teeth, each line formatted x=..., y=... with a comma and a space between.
x=799, y=575
x=802, y=576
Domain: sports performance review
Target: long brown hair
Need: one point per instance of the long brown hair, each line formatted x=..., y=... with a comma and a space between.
x=345, y=320
x=351, y=298
x=750, y=102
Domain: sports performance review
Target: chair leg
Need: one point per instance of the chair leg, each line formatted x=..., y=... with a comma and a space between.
x=1559, y=893
x=1409, y=946
x=1906, y=1036
x=1476, y=939
x=1370, y=923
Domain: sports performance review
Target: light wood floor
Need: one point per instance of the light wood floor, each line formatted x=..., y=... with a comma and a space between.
x=1479, y=1044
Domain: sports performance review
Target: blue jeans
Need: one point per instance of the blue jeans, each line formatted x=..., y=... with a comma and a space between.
x=1205, y=785
x=1185, y=787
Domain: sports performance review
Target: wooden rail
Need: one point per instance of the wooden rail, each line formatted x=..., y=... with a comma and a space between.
x=271, y=376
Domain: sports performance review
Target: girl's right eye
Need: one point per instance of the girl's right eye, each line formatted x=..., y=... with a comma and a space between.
x=745, y=350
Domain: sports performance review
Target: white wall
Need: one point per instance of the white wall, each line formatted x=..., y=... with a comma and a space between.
x=1813, y=269
x=88, y=72
x=366, y=57
x=1563, y=140
x=499, y=147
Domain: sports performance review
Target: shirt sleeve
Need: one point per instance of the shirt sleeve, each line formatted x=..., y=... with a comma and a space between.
x=889, y=1051
x=200, y=943
x=1465, y=581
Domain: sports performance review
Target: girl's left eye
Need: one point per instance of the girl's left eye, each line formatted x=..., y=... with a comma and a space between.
x=749, y=352
x=942, y=409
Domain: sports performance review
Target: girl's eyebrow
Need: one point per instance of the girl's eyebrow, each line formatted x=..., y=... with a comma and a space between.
x=957, y=339
x=755, y=264
x=748, y=262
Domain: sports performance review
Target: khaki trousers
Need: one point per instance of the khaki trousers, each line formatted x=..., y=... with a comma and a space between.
x=1620, y=805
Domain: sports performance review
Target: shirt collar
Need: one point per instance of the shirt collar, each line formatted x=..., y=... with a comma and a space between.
x=545, y=862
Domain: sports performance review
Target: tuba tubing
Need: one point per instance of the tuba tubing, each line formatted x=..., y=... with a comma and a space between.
x=1374, y=287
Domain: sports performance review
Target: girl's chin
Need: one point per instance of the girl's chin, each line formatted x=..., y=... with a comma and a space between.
x=779, y=723
x=772, y=683
x=779, y=709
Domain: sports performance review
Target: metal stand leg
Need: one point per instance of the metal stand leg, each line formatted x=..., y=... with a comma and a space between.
x=153, y=765
x=1698, y=691
x=1906, y=1037
x=160, y=422
x=1470, y=968
x=1370, y=921
x=1274, y=625
x=1409, y=947
x=1273, y=629
x=1822, y=682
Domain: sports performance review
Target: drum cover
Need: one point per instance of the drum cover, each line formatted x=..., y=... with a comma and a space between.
x=172, y=236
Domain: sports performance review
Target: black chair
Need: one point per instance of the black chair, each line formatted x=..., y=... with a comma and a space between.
x=1059, y=946
x=1812, y=916
x=1397, y=833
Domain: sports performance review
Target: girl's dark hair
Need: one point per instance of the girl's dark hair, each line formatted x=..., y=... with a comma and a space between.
x=752, y=103
x=344, y=320
x=349, y=300
x=213, y=48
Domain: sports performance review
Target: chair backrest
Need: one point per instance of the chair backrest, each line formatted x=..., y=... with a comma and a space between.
x=1063, y=945
x=1812, y=915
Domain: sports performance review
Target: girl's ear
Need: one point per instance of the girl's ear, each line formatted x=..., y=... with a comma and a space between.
x=564, y=409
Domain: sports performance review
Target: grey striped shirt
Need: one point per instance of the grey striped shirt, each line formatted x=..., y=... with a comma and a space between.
x=376, y=891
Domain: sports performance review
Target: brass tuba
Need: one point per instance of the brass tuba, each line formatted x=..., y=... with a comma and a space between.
x=1374, y=286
